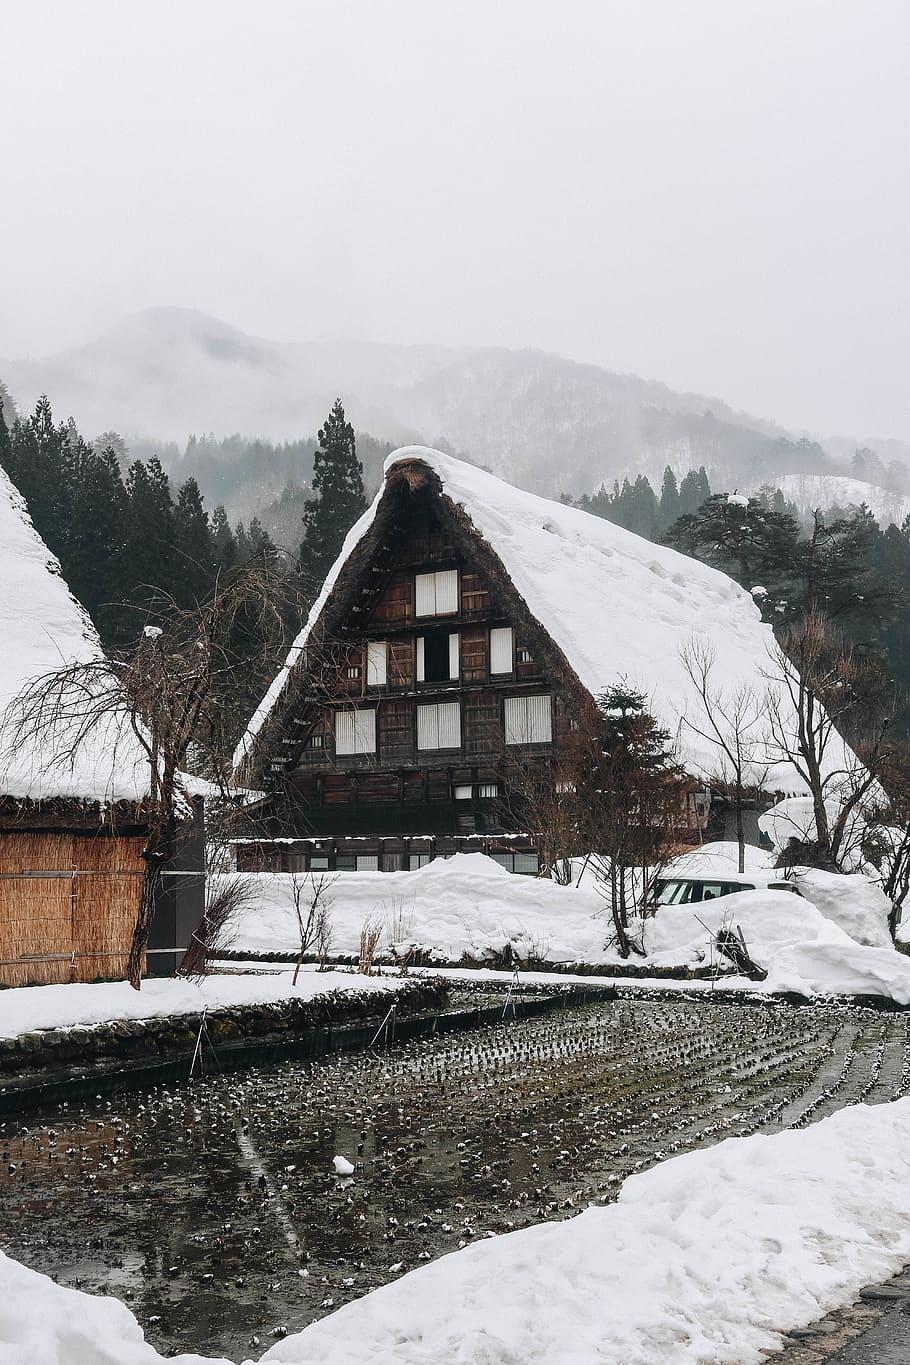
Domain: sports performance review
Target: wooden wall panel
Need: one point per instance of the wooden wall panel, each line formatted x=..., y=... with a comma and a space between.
x=396, y=731
x=396, y=604
x=93, y=913
x=474, y=654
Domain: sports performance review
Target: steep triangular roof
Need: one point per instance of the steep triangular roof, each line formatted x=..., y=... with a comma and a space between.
x=42, y=628
x=619, y=607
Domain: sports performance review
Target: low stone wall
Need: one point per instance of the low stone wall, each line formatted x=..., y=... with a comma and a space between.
x=46, y=1066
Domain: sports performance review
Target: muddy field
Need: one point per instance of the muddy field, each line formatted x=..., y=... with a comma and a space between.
x=213, y=1209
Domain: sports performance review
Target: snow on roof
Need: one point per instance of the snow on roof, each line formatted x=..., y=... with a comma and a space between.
x=619, y=607
x=42, y=628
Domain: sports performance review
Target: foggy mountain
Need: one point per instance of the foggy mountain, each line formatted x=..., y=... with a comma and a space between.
x=543, y=422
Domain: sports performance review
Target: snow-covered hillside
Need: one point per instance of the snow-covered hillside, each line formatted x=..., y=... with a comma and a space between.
x=811, y=491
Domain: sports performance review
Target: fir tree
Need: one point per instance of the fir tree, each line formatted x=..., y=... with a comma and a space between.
x=224, y=544
x=6, y=450
x=39, y=467
x=93, y=556
x=194, y=568
x=693, y=491
x=628, y=796
x=668, y=509
x=339, y=498
x=150, y=535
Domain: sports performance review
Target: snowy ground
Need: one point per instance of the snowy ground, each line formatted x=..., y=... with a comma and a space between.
x=25, y=1009
x=469, y=907
x=708, y=1256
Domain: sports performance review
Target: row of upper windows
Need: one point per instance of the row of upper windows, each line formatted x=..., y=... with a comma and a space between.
x=527, y=720
x=438, y=657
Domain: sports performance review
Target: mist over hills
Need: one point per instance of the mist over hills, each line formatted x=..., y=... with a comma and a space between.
x=543, y=422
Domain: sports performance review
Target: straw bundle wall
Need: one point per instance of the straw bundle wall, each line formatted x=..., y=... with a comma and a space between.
x=84, y=914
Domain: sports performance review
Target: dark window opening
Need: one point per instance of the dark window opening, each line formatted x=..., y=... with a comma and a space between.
x=436, y=656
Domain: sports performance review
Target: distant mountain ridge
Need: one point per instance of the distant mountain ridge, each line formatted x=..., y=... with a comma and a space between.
x=546, y=423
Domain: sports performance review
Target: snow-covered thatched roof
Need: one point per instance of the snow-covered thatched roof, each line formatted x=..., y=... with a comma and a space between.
x=619, y=607
x=42, y=629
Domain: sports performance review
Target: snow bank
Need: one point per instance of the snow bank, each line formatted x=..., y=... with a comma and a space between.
x=576, y=571
x=467, y=904
x=726, y=853
x=42, y=1323
x=709, y=1256
x=25, y=1009
x=43, y=628
x=856, y=903
x=799, y=947
x=794, y=818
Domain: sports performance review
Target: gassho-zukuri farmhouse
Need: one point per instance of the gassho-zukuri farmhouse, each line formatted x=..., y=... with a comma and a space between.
x=457, y=645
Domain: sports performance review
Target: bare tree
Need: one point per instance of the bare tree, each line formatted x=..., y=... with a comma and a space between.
x=161, y=706
x=888, y=841
x=311, y=894
x=729, y=721
x=823, y=698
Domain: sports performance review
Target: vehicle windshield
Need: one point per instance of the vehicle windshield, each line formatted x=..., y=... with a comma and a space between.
x=686, y=891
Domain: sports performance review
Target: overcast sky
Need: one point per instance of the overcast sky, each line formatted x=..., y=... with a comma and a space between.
x=712, y=194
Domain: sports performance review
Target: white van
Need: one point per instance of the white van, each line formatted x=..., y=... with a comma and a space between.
x=687, y=889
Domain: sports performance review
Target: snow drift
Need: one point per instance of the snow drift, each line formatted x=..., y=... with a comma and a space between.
x=468, y=906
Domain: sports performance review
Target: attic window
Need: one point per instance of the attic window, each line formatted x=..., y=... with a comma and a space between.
x=501, y=649
x=523, y=655
x=315, y=741
x=436, y=594
x=377, y=663
x=353, y=671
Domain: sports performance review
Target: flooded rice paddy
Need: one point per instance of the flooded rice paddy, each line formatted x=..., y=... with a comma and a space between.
x=212, y=1208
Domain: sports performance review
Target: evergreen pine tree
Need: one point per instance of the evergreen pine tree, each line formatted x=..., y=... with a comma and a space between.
x=194, y=567
x=150, y=567
x=742, y=537
x=224, y=544
x=39, y=467
x=93, y=556
x=693, y=491
x=339, y=498
x=6, y=449
x=668, y=509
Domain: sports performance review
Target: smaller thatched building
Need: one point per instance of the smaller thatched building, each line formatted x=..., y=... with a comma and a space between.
x=72, y=818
